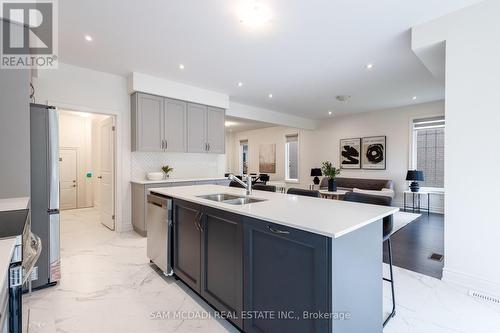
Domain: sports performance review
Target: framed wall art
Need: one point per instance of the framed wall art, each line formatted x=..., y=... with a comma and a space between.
x=350, y=153
x=373, y=153
x=267, y=158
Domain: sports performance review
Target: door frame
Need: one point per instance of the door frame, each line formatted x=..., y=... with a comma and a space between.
x=118, y=123
x=77, y=180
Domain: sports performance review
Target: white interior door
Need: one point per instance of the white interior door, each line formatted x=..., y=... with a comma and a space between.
x=107, y=174
x=68, y=185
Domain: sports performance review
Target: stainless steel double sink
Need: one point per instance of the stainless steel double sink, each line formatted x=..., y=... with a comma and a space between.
x=230, y=198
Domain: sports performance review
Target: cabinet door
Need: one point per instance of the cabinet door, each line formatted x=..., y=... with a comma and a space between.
x=196, y=128
x=222, y=263
x=148, y=126
x=175, y=125
x=285, y=270
x=187, y=240
x=216, y=137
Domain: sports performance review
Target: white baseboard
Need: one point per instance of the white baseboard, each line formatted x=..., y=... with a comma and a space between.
x=471, y=282
x=125, y=228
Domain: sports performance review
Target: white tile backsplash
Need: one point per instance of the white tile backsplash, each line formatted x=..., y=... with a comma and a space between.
x=185, y=165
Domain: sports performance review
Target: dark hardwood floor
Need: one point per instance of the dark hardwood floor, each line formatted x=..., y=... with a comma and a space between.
x=413, y=245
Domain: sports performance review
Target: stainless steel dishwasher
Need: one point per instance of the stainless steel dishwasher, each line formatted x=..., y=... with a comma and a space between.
x=159, y=228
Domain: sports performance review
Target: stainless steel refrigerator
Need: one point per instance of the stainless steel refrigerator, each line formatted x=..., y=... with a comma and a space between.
x=44, y=128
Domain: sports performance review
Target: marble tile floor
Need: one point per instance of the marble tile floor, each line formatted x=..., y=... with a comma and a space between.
x=108, y=285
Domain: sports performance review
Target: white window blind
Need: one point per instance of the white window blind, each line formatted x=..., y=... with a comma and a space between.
x=428, y=153
x=292, y=157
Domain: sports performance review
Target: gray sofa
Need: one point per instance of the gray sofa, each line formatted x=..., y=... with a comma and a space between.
x=348, y=184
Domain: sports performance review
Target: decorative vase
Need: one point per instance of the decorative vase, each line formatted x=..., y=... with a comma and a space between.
x=332, y=185
x=167, y=175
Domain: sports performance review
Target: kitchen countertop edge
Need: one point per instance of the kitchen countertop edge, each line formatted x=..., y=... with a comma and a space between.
x=290, y=221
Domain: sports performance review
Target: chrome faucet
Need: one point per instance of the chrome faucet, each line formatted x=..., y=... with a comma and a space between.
x=247, y=186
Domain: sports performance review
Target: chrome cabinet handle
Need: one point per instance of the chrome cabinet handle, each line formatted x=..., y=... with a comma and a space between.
x=162, y=145
x=166, y=144
x=197, y=223
x=208, y=146
x=277, y=231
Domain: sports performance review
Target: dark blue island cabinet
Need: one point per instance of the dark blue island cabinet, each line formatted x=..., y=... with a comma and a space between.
x=270, y=278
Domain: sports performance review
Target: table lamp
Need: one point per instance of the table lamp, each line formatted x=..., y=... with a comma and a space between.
x=415, y=176
x=316, y=172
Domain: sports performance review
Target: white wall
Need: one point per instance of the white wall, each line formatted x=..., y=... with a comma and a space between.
x=162, y=87
x=75, y=132
x=14, y=133
x=269, y=135
x=472, y=228
x=269, y=116
x=81, y=89
x=393, y=123
x=323, y=144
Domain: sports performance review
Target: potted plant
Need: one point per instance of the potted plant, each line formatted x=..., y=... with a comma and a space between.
x=331, y=172
x=166, y=170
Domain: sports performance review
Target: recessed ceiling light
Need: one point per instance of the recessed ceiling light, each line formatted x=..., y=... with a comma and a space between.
x=329, y=113
x=414, y=98
x=88, y=38
x=181, y=66
x=270, y=95
x=369, y=66
x=240, y=84
x=255, y=14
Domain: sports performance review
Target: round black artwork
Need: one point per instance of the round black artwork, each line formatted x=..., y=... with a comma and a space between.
x=375, y=153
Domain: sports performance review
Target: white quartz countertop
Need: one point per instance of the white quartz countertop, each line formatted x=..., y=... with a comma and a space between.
x=6, y=251
x=14, y=204
x=332, y=218
x=175, y=180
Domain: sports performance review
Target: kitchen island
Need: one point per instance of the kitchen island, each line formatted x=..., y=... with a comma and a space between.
x=272, y=262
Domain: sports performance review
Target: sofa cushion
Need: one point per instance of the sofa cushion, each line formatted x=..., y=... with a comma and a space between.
x=384, y=192
x=361, y=183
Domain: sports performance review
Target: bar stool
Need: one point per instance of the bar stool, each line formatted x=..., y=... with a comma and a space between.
x=301, y=191
x=386, y=233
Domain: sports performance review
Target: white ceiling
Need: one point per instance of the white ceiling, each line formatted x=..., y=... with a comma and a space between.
x=311, y=51
x=235, y=124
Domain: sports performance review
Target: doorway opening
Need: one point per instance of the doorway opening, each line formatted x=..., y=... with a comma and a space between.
x=87, y=163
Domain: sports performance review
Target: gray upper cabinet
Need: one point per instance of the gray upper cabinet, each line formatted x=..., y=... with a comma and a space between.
x=174, y=125
x=147, y=122
x=196, y=128
x=216, y=139
x=170, y=125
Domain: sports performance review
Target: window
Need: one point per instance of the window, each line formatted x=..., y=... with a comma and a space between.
x=428, y=150
x=244, y=157
x=292, y=157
